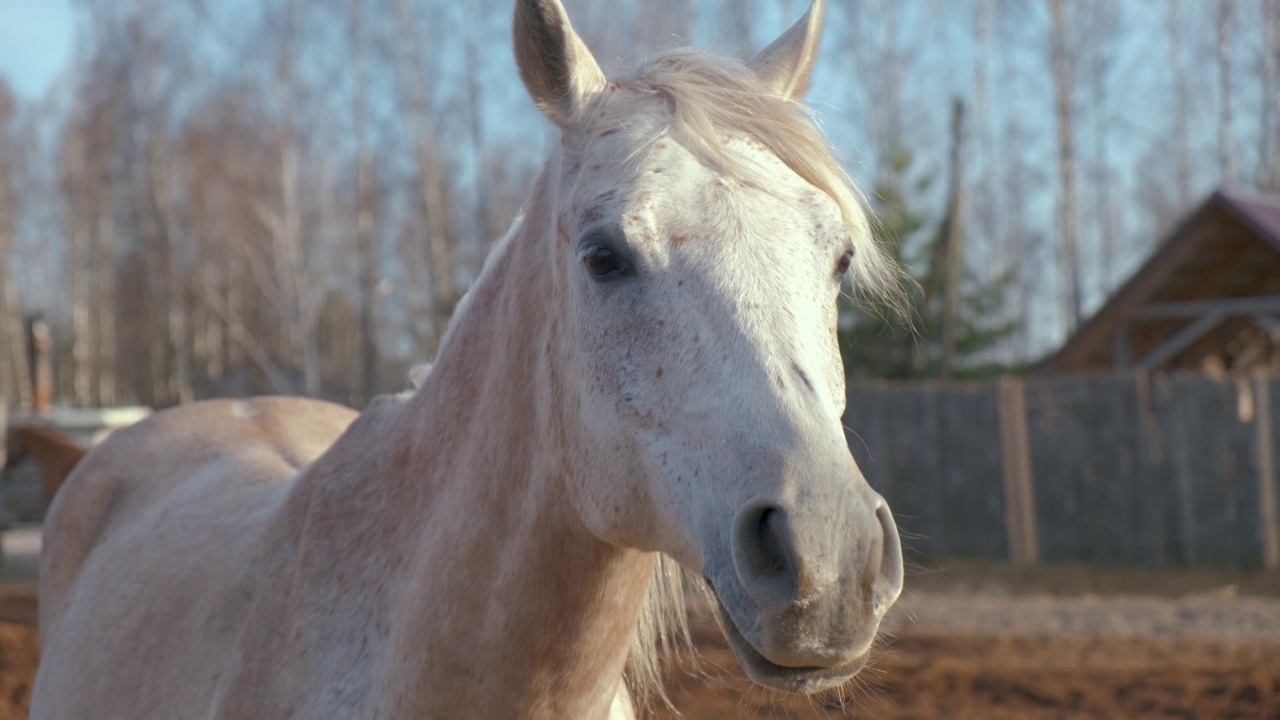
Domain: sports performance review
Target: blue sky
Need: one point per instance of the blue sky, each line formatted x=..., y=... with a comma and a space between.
x=35, y=43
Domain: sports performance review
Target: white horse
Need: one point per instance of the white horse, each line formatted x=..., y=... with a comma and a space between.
x=647, y=365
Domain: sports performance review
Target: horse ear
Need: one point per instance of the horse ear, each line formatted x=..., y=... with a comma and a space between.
x=556, y=66
x=786, y=66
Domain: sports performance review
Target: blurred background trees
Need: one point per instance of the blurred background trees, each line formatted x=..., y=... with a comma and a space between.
x=288, y=196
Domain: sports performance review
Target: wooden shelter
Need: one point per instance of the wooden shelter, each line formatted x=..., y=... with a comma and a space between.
x=1208, y=299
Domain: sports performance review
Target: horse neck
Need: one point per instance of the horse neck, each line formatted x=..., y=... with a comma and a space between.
x=511, y=607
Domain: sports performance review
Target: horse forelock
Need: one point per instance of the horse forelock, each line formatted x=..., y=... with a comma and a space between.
x=708, y=98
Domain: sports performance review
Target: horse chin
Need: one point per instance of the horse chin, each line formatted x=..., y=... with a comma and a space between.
x=764, y=672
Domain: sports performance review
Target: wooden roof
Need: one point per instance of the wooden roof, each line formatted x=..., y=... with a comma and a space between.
x=1209, y=294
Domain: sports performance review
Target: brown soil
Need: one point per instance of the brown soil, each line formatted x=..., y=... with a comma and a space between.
x=934, y=677
x=19, y=650
x=990, y=642
x=974, y=643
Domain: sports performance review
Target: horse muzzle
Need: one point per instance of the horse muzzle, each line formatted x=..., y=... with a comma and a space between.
x=804, y=600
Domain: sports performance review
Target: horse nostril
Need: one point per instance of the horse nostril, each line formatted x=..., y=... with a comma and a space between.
x=773, y=551
x=764, y=552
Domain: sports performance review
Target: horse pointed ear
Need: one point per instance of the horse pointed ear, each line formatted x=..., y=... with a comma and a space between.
x=786, y=66
x=556, y=66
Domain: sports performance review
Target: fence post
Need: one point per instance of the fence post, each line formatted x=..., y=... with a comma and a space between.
x=1019, y=485
x=4, y=462
x=1266, y=472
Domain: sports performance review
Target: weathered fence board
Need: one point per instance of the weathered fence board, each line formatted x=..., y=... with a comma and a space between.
x=1020, y=515
x=1172, y=471
x=1266, y=458
x=932, y=454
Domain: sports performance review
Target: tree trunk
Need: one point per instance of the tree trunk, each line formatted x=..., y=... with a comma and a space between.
x=105, y=310
x=1067, y=212
x=1226, y=147
x=433, y=195
x=366, y=238
x=81, y=312
x=15, y=382
x=1269, y=157
x=952, y=253
x=1181, y=108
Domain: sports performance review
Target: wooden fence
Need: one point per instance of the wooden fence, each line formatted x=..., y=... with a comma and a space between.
x=1133, y=470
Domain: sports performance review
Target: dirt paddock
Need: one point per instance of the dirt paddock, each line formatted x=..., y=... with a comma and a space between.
x=975, y=642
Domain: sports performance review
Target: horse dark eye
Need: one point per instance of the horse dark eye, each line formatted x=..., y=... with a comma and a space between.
x=601, y=262
x=846, y=260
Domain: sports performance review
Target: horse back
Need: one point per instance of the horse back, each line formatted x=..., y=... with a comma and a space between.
x=223, y=449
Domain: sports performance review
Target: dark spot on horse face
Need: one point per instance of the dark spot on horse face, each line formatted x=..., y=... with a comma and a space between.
x=658, y=374
x=607, y=133
x=655, y=170
x=804, y=377
x=599, y=207
x=595, y=167
x=680, y=240
x=662, y=146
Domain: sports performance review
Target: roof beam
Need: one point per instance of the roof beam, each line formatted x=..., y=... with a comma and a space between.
x=1268, y=324
x=1261, y=305
x=1120, y=346
x=1182, y=340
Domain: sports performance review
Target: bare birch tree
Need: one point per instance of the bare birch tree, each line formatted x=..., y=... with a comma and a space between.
x=1103, y=28
x=434, y=201
x=1180, y=105
x=1269, y=137
x=1226, y=146
x=1068, y=213
x=15, y=381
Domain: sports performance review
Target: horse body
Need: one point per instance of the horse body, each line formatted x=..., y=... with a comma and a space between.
x=187, y=529
x=646, y=365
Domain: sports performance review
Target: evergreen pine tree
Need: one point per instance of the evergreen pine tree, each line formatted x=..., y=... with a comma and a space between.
x=876, y=344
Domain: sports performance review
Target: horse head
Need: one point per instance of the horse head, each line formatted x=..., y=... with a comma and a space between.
x=699, y=231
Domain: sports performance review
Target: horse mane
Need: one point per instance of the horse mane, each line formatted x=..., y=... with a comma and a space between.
x=709, y=97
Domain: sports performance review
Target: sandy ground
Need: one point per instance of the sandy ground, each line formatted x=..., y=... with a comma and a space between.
x=967, y=642
x=985, y=642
